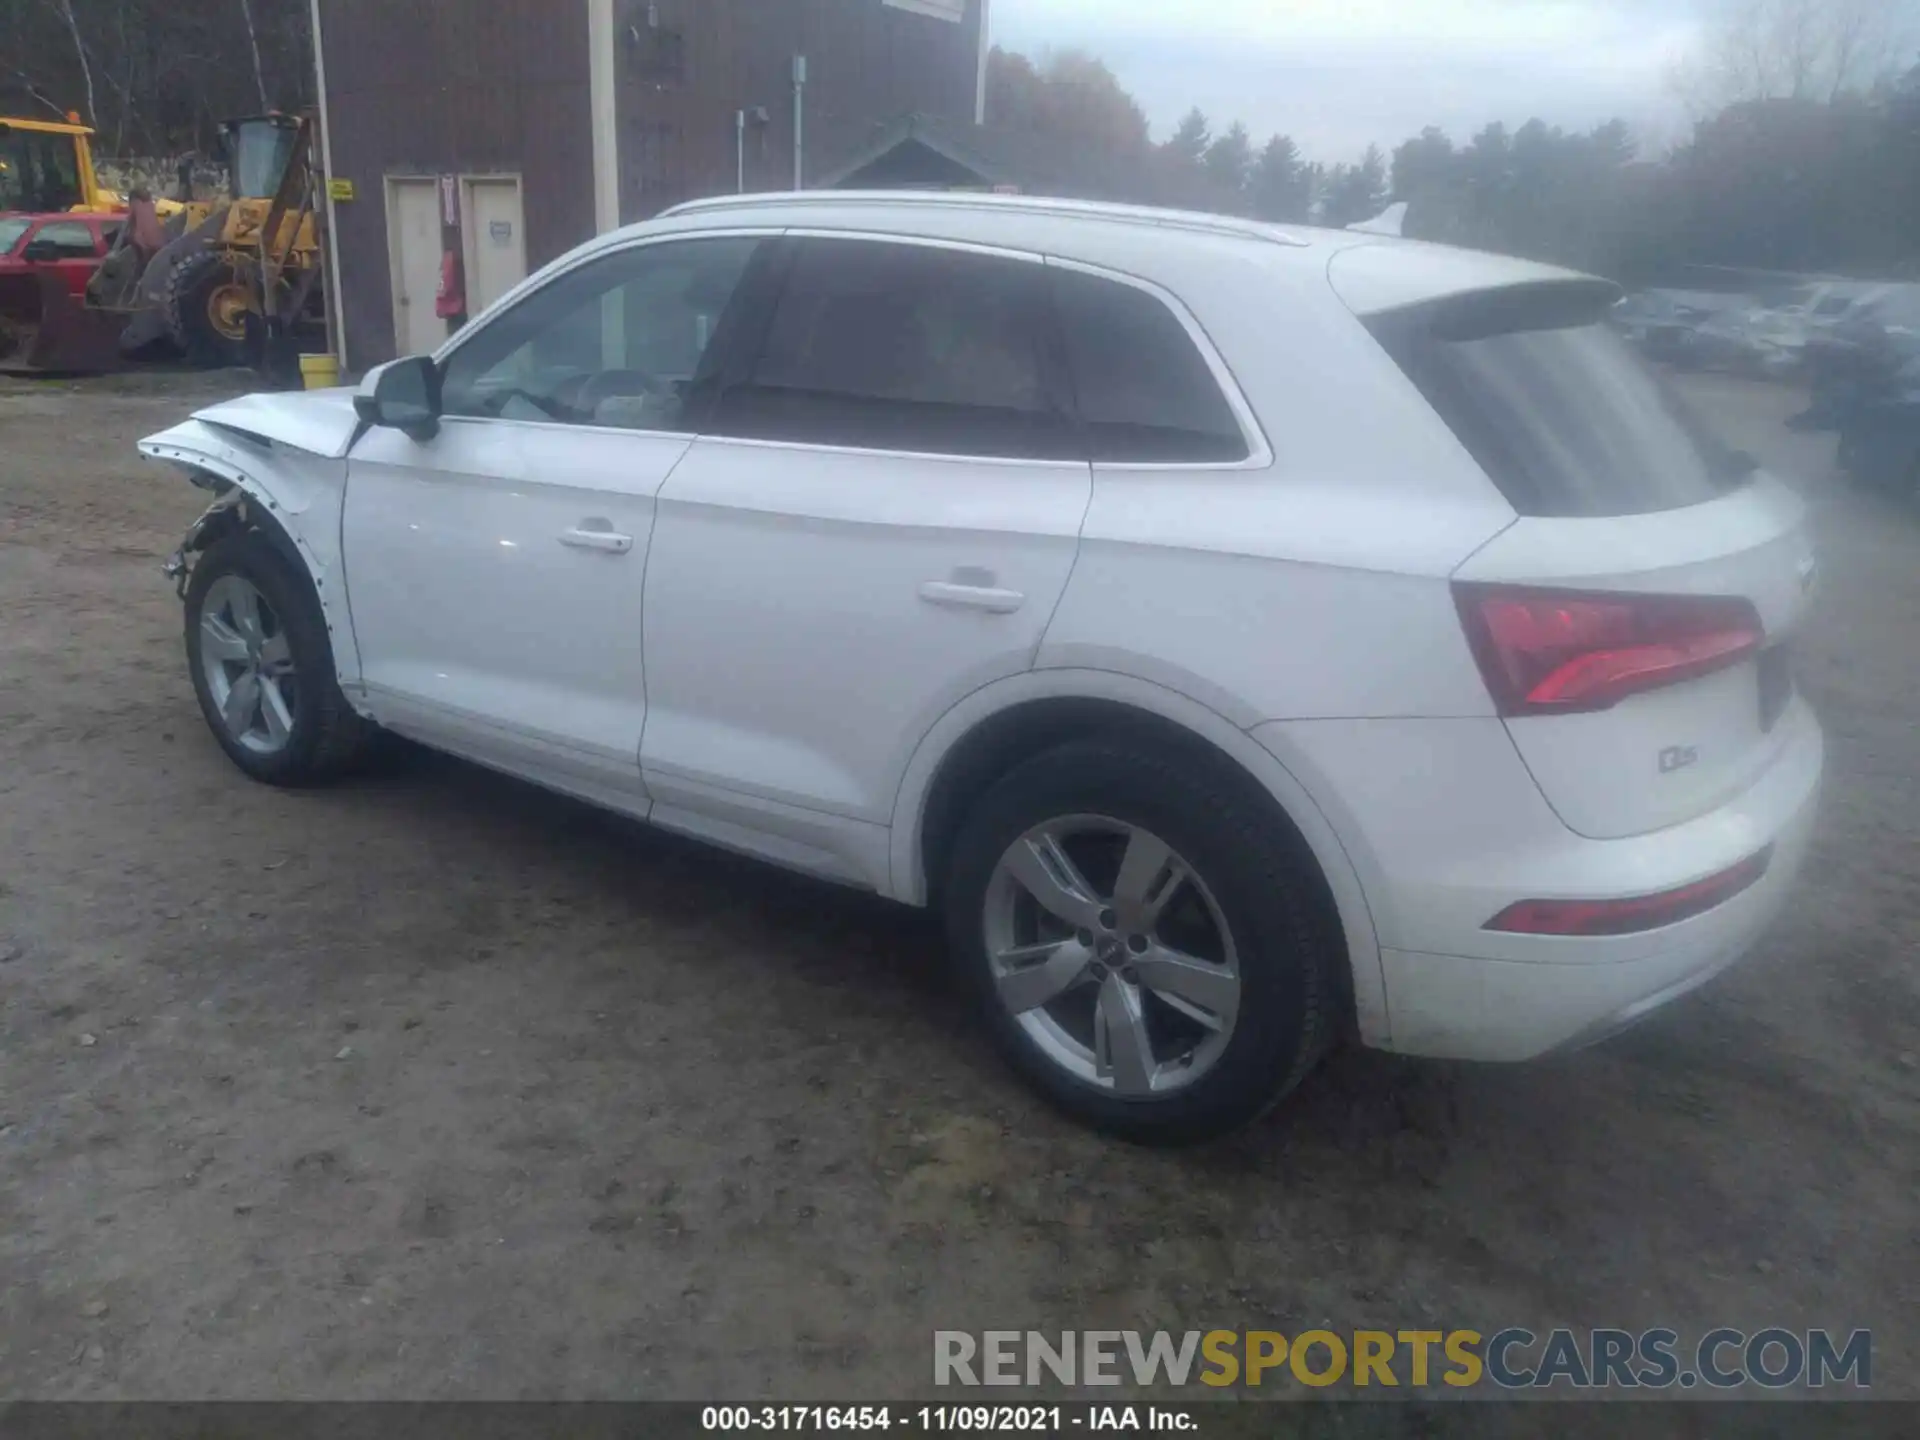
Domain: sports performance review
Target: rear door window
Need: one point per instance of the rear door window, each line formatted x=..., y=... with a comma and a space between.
x=1146, y=394
x=890, y=346
x=1561, y=414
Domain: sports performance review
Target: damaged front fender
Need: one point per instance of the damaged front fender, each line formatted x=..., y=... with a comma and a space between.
x=277, y=464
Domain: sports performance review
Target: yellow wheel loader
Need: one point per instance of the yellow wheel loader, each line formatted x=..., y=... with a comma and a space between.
x=46, y=166
x=233, y=283
x=246, y=282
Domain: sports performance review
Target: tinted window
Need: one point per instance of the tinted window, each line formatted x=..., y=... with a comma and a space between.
x=903, y=347
x=1565, y=420
x=620, y=342
x=1145, y=392
x=38, y=171
x=74, y=241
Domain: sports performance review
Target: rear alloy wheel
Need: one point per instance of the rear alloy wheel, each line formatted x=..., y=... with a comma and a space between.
x=1129, y=984
x=1148, y=940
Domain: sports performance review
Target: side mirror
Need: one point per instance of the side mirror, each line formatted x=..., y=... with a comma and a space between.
x=39, y=251
x=403, y=396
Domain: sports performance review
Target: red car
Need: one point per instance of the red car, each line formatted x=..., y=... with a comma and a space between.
x=68, y=246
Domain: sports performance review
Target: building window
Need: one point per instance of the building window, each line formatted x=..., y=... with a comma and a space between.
x=939, y=9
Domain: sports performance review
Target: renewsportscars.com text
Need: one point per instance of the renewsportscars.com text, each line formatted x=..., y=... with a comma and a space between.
x=1511, y=1359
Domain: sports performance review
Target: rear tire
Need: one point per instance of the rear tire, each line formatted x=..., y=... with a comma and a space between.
x=263, y=670
x=1253, y=897
x=200, y=294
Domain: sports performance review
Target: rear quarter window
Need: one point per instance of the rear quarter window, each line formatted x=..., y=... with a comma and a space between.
x=1558, y=410
x=1146, y=394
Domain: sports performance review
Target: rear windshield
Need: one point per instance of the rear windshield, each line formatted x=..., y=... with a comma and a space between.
x=1565, y=419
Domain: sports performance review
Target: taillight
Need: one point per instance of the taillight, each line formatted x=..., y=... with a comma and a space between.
x=1551, y=652
x=1633, y=914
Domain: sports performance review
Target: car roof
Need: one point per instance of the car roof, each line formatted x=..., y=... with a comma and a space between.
x=1375, y=272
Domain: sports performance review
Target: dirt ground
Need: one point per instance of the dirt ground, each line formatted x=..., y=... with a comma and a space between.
x=432, y=1085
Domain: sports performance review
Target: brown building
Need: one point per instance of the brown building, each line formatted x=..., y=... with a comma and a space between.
x=505, y=132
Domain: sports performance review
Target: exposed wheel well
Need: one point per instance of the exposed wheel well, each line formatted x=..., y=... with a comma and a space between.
x=250, y=514
x=1012, y=737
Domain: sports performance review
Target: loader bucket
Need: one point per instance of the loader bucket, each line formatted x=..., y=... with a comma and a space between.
x=46, y=331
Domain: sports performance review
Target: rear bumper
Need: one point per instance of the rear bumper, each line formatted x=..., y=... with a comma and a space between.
x=1456, y=844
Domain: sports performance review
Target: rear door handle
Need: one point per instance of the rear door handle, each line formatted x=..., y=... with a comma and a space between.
x=972, y=597
x=588, y=539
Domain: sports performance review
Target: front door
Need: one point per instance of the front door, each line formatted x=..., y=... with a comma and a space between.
x=879, y=518
x=496, y=571
x=74, y=249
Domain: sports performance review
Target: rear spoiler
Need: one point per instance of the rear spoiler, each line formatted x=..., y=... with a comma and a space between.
x=1501, y=310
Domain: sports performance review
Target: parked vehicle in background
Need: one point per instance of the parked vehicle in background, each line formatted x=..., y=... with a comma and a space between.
x=1656, y=323
x=1746, y=340
x=936, y=544
x=1856, y=361
x=1880, y=435
x=66, y=246
x=47, y=166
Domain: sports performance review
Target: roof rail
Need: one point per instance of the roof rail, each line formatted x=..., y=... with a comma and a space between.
x=1191, y=220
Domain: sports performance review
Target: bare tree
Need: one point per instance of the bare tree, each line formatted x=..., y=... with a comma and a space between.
x=80, y=49
x=1797, y=50
x=253, y=41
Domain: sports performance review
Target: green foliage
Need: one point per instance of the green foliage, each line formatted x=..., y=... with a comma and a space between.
x=1355, y=192
x=1229, y=160
x=1191, y=141
x=1280, y=188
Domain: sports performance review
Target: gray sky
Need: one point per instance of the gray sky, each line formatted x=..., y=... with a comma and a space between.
x=1336, y=74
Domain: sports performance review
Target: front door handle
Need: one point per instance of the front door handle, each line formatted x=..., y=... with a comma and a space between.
x=587, y=538
x=972, y=597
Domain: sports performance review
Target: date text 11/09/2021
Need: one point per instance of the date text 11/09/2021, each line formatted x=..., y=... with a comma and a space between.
x=946, y=1419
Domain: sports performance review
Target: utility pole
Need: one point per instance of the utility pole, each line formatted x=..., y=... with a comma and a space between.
x=799, y=121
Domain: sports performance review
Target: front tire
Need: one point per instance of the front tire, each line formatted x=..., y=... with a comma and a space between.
x=1145, y=939
x=207, y=304
x=262, y=666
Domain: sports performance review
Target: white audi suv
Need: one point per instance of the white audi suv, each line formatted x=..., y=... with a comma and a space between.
x=1243, y=635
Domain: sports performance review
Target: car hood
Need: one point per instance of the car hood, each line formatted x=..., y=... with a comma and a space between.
x=320, y=421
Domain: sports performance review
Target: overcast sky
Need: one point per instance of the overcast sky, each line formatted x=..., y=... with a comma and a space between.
x=1336, y=74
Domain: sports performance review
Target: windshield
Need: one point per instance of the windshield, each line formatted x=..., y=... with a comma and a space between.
x=10, y=233
x=261, y=152
x=38, y=172
x=1568, y=421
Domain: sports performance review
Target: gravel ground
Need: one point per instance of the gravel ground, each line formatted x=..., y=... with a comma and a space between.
x=435, y=1086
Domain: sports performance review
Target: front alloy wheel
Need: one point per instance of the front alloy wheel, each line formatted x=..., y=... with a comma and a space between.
x=1109, y=952
x=247, y=663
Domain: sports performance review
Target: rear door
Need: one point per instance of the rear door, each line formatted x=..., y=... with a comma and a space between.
x=879, y=518
x=1635, y=621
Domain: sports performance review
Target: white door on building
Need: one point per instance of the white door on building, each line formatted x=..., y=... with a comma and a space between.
x=495, y=223
x=415, y=251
